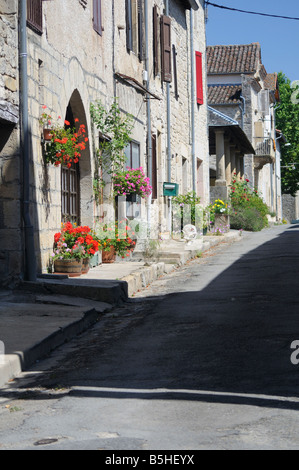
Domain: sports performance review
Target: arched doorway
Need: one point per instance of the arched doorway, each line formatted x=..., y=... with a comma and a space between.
x=76, y=181
x=70, y=184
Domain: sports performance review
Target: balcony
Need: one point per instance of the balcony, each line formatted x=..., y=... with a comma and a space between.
x=264, y=153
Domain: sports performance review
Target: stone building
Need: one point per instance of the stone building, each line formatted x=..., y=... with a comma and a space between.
x=240, y=88
x=10, y=168
x=150, y=55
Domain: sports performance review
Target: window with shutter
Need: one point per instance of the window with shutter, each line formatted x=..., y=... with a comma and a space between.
x=134, y=27
x=35, y=15
x=154, y=168
x=155, y=40
x=97, y=16
x=199, y=77
x=166, y=48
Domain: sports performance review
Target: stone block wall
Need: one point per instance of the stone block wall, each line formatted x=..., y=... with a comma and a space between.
x=11, y=262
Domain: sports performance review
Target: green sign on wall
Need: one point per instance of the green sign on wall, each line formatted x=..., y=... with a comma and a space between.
x=170, y=189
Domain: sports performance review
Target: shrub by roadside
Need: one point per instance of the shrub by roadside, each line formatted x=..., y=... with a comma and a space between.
x=249, y=210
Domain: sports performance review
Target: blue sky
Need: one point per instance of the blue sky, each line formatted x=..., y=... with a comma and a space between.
x=279, y=38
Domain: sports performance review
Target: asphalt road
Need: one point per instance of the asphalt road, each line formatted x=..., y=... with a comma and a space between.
x=203, y=359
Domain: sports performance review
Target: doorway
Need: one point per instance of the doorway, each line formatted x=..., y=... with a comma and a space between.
x=70, y=185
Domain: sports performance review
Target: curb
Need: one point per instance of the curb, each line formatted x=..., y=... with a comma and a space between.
x=15, y=363
x=168, y=262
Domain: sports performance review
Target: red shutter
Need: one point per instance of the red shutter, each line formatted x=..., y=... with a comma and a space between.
x=166, y=48
x=97, y=16
x=199, y=82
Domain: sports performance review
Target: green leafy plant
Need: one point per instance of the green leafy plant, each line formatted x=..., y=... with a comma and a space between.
x=187, y=206
x=117, y=235
x=115, y=129
x=249, y=212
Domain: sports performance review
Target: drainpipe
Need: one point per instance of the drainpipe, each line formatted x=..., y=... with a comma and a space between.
x=30, y=261
x=242, y=108
x=149, y=133
x=192, y=103
x=168, y=137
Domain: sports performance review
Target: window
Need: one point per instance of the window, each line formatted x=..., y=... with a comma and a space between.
x=154, y=167
x=132, y=152
x=35, y=15
x=156, y=40
x=134, y=27
x=97, y=16
x=199, y=83
x=175, y=75
x=166, y=48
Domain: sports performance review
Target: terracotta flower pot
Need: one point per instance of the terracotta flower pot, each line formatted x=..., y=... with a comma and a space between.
x=72, y=267
x=47, y=134
x=109, y=256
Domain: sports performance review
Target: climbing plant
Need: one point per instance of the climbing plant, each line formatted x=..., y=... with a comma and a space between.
x=115, y=129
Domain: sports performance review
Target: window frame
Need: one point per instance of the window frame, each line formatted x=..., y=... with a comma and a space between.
x=35, y=15
x=97, y=17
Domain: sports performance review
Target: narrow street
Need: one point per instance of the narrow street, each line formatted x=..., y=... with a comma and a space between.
x=202, y=359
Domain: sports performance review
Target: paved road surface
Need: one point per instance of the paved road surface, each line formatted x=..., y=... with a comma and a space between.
x=201, y=359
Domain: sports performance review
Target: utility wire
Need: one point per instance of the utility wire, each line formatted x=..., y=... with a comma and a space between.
x=251, y=12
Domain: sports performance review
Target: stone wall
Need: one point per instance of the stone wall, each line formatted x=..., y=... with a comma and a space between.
x=10, y=169
x=70, y=64
x=290, y=207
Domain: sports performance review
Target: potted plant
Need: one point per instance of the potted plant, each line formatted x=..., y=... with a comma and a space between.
x=46, y=123
x=221, y=212
x=131, y=181
x=115, y=239
x=64, y=144
x=73, y=247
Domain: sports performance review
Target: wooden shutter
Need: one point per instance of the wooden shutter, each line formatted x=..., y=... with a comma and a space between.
x=97, y=16
x=129, y=25
x=166, y=48
x=155, y=40
x=35, y=15
x=199, y=77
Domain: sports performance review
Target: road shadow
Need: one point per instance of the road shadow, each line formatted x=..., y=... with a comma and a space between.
x=227, y=343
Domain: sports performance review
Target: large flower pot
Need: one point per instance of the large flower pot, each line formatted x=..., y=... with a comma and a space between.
x=71, y=267
x=222, y=223
x=85, y=265
x=109, y=256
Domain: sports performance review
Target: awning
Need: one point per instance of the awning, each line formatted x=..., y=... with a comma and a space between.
x=134, y=83
x=218, y=120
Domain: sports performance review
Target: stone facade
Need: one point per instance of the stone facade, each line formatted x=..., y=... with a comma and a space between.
x=240, y=88
x=71, y=64
x=11, y=251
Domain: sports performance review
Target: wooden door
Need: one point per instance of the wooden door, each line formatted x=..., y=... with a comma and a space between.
x=70, y=194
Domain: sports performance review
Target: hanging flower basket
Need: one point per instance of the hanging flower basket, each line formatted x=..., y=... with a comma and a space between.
x=64, y=144
x=131, y=181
